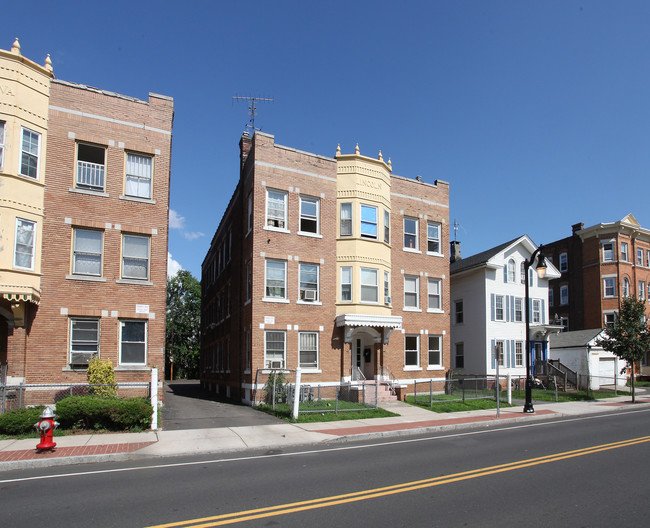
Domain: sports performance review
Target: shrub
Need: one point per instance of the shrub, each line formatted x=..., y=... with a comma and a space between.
x=20, y=421
x=100, y=373
x=113, y=414
x=281, y=388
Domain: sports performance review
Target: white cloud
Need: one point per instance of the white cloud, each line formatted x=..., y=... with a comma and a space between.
x=176, y=221
x=193, y=235
x=173, y=267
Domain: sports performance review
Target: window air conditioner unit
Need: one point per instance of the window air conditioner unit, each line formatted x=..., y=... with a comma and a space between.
x=276, y=364
x=387, y=300
x=309, y=295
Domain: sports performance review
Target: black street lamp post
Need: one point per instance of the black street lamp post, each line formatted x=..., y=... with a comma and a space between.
x=541, y=271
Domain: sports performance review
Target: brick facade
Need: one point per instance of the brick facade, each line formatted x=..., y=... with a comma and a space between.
x=235, y=323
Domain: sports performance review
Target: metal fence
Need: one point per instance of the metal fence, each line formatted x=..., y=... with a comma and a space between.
x=275, y=387
x=456, y=390
x=26, y=395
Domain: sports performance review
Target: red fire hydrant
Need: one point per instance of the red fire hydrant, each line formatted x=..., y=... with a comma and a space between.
x=46, y=427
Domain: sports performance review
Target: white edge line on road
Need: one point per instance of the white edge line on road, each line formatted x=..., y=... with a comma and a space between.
x=316, y=451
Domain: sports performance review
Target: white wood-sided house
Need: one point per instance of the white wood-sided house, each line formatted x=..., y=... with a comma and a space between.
x=488, y=311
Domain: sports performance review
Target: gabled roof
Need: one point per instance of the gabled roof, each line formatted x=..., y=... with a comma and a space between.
x=577, y=338
x=480, y=259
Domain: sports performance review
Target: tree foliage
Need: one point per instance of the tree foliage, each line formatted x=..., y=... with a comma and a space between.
x=182, y=340
x=101, y=376
x=628, y=337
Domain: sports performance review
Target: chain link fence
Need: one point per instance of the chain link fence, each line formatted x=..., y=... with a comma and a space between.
x=456, y=390
x=14, y=397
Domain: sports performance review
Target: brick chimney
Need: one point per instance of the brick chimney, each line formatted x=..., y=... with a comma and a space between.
x=577, y=227
x=245, y=144
x=454, y=251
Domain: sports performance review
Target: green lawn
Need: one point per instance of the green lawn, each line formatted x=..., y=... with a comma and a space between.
x=442, y=406
x=324, y=411
x=549, y=395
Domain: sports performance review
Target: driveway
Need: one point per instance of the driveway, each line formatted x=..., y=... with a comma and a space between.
x=187, y=406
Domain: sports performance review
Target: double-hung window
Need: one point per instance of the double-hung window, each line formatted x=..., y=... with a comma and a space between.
x=433, y=237
x=25, y=243
x=410, y=232
x=564, y=295
x=369, y=285
x=626, y=287
x=459, y=315
x=564, y=262
x=135, y=257
x=519, y=303
x=84, y=340
x=460, y=355
x=434, y=294
x=309, y=282
x=608, y=252
x=276, y=279
x=138, y=175
x=87, y=252
x=411, y=291
x=509, y=271
x=537, y=311
x=90, y=167
x=387, y=227
x=133, y=342
x=498, y=308
x=499, y=352
x=274, y=348
x=368, y=221
x=435, y=351
x=30, y=153
x=522, y=273
x=2, y=144
x=519, y=353
x=624, y=251
x=412, y=350
x=641, y=290
x=346, y=219
x=346, y=283
x=639, y=257
x=308, y=350
x=276, y=209
x=309, y=214
x=609, y=286
x=386, y=288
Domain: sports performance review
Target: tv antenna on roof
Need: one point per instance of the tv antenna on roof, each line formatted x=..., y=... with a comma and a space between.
x=252, y=109
x=456, y=226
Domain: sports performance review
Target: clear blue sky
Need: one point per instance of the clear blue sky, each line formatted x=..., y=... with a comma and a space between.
x=537, y=113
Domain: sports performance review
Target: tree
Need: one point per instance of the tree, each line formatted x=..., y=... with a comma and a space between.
x=182, y=343
x=628, y=337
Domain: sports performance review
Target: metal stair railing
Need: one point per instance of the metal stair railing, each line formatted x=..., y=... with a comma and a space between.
x=388, y=378
x=571, y=376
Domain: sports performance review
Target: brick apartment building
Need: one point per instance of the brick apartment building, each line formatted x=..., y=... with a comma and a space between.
x=599, y=265
x=105, y=176
x=329, y=264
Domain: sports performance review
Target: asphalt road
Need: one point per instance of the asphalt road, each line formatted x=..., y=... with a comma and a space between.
x=187, y=406
x=581, y=472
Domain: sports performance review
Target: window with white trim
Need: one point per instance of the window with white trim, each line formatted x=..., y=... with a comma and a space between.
x=410, y=232
x=609, y=286
x=459, y=358
x=87, y=247
x=275, y=342
x=276, y=209
x=2, y=144
x=624, y=251
x=498, y=308
x=434, y=294
x=412, y=350
x=369, y=285
x=346, y=283
x=133, y=342
x=647, y=258
x=368, y=221
x=411, y=291
x=564, y=295
x=609, y=318
x=24, y=244
x=510, y=271
x=346, y=219
x=275, y=279
x=387, y=299
x=84, y=340
x=639, y=257
x=435, y=351
x=522, y=273
x=387, y=227
x=30, y=148
x=135, y=257
x=138, y=175
x=308, y=350
x=309, y=214
x=519, y=353
x=537, y=311
x=626, y=287
x=608, y=252
x=564, y=262
x=91, y=166
x=519, y=309
x=641, y=290
x=433, y=237
x=498, y=351
x=309, y=291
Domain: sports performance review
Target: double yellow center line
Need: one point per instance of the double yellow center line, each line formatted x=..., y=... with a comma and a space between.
x=283, y=509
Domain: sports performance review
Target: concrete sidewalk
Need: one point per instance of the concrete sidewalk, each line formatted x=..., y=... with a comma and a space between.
x=16, y=454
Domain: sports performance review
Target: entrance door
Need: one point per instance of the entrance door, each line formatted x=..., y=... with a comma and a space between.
x=363, y=356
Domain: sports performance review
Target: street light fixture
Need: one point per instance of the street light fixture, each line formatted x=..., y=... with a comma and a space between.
x=541, y=272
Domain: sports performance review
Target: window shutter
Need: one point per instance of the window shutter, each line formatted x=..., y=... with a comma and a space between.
x=543, y=311
x=494, y=361
x=513, y=361
x=507, y=308
x=493, y=308
x=505, y=273
x=506, y=352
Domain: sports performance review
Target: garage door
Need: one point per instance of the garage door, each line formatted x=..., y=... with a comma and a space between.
x=607, y=371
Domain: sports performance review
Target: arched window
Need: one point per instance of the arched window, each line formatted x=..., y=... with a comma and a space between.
x=626, y=287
